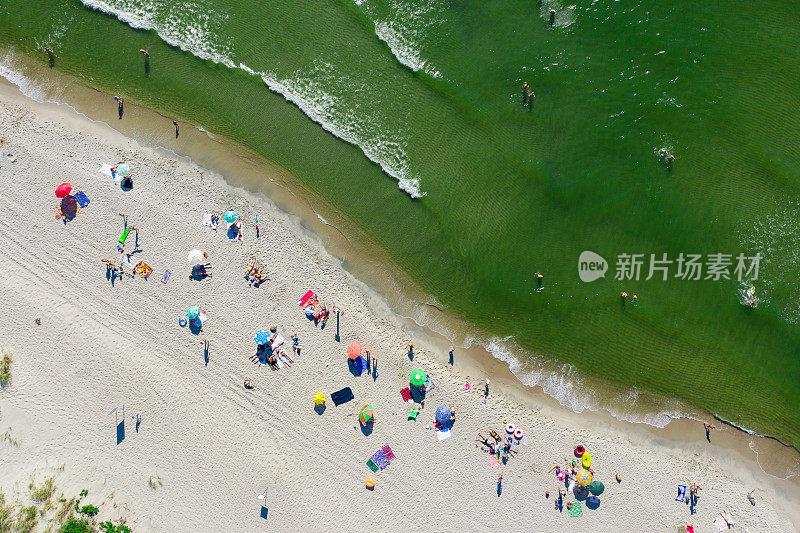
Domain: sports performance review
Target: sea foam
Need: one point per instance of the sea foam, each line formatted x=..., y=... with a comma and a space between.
x=190, y=29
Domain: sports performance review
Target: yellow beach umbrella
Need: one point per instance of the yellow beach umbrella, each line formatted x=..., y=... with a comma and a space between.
x=584, y=478
x=319, y=398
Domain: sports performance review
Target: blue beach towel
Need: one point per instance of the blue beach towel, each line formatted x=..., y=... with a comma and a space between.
x=379, y=458
x=81, y=198
x=681, y=494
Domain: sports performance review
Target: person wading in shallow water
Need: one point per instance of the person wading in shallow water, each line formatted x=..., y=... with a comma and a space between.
x=174, y=123
x=120, y=106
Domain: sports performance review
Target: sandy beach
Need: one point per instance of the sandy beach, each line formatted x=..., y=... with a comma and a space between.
x=205, y=446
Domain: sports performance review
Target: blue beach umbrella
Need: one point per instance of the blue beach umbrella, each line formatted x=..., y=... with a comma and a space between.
x=262, y=337
x=193, y=312
x=443, y=414
x=231, y=216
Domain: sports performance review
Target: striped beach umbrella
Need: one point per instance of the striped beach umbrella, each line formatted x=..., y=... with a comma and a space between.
x=366, y=414
x=417, y=378
x=443, y=414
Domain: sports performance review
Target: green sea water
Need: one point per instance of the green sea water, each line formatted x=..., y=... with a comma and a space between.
x=356, y=98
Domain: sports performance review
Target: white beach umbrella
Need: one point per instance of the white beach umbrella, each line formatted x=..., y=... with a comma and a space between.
x=196, y=257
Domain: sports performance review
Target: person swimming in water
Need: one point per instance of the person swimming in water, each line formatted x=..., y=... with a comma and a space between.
x=552, y=18
x=144, y=52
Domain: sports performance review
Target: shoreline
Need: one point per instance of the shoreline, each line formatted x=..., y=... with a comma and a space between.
x=156, y=367
x=396, y=294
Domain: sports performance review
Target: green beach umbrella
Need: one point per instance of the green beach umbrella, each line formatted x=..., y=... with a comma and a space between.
x=123, y=169
x=596, y=488
x=417, y=377
x=230, y=217
x=193, y=312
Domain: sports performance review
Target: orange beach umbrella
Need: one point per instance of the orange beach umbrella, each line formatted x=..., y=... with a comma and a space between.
x=354, y=350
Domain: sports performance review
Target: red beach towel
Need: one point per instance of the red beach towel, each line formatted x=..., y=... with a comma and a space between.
x=406, y=394
x=306, y=297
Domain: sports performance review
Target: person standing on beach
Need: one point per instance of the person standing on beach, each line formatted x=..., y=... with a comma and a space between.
x=174, y=123
x=452, y=349
x=120, y=106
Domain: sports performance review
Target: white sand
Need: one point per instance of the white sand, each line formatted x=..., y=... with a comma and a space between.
x=215, y=445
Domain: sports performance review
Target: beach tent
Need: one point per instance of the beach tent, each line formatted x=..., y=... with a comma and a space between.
x=63, y=190
x=584, y=477
x=443, y=414
x=366, y=414
x=359, y=364
x=354, y=350
x=417, y=378
x=262, y=337
x=319, y=398
x=342, y=396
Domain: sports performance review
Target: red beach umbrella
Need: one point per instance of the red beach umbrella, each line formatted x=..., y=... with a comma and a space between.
x=63, y=190
x=353, y=351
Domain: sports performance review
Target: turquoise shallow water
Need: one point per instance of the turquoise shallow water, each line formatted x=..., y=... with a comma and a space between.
x=358, y=98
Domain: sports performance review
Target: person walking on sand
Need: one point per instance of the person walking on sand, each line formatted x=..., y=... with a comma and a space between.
x=411, y=350
x=452, y=349
x=175, y=123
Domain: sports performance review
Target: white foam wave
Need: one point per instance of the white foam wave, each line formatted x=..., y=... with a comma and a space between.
x=27, y=86
x=190, y=29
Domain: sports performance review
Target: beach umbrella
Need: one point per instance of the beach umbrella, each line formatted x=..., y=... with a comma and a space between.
x=262, y=337
x=417, y=377
x=354, y=350
x=231, y=216
x=592, y=502
x=123, y=169
x=196, y=257
x=366, y=414
x=63, y=190
x=584, y=477
x=443, y=414
x=319, y=398
x=193, y=312
x=596, y=488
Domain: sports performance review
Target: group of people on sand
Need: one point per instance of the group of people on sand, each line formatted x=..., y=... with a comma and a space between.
x=272, y=352
x=319, y=312
x=502, y=448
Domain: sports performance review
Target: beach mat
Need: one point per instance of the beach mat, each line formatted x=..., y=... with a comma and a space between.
x=372, y=466
x=379, y=458
x=575, y=510
x=493, y=461
x=342, y=396
x=406, y=394
x=681, y=497
x=82, y=199
x=387, y=451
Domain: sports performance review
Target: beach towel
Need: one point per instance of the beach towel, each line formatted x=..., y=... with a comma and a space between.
x=728, y=518
x=372, y=466
x=442, y=435
x=208, y=220
x=681, y=497
x=406, y=394
x=165, y=279
x=720, y=523
x=278, y=342
x=302, y=302
x=387, y=451
x=379, y=458
x=342, y=396
x=82, y=199
x=429, y=385
x=524, y=440
x=493, y=461
x=575, y=510
x=105, y=168
x=689, y=529
x=413, y=413
x=144, y=270
x=127, y=261
x=233, y=233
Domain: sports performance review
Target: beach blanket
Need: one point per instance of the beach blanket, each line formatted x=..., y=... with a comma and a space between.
x=208, y=220
x=575, y=510
x=429, y=385
x=379, y=458
x=144, y=270
x=372, y=466
x=278, y=342
x=82, y=199
x=493, y=461
x=387, y=451
x=442, y=435
x=105, y=168
x=406, y=394
x=302, y=302
x=681, y=497
x=689, y=529
x=720, y=523
x=342, y=396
